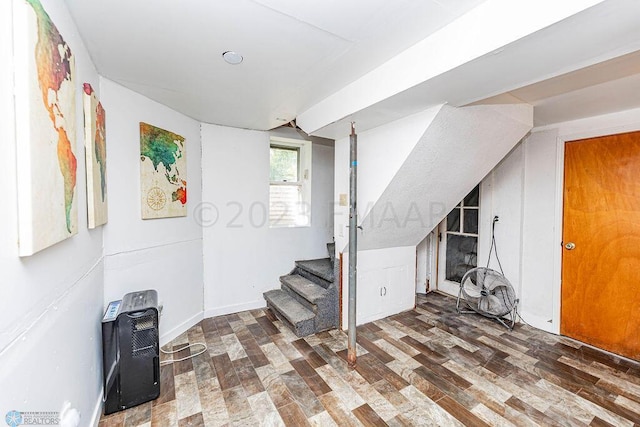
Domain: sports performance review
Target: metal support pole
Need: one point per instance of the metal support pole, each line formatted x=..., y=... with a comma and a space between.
x=353, y=244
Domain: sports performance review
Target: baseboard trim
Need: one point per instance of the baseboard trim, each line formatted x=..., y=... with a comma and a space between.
x=184, y=326
x=235, y=308
x=539, y=322
x=97, y=411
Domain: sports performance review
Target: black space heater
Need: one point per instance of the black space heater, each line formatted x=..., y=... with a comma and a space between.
x=131, y=360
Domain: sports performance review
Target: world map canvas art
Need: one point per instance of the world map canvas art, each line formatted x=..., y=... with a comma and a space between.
x=163, y=172
x=95, y=158
x=46, y=119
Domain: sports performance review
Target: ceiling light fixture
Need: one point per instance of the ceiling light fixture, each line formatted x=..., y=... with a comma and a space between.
x=233, y=58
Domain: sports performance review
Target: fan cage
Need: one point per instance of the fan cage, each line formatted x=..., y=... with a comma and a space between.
x=480, y=289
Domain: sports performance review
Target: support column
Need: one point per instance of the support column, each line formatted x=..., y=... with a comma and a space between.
x=353, y=244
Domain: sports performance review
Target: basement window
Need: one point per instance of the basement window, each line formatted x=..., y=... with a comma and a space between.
x=289, y=183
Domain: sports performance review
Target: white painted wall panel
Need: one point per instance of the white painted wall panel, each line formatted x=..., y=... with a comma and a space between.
x=423, y=264
x=501, y=195
x=381, y=152
x=459, y=147
x=539, y=228
x=174, y=270
x=52, y=300
x=163, y=254
x=243, y=257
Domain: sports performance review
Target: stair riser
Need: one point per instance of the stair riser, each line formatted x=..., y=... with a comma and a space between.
x=310, y=276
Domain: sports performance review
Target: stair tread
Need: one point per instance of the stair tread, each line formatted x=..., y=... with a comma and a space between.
x=310, y=291
x=288, y=306
x=320, y=267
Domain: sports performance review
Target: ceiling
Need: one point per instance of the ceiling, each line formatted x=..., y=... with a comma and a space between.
x=310, y=59
x=605, y=87
x=296, y=52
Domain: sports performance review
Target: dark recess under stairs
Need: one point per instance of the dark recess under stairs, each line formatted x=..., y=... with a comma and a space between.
x=307, y=301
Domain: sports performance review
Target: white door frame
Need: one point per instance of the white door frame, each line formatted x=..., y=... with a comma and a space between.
x=432, y=273
x=443, y=285
x=627, y=121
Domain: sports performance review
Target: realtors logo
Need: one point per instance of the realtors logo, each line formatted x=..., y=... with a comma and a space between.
x=13, y=418
x=17, y=418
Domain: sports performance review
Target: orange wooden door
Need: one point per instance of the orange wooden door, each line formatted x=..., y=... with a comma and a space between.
x=601, y=274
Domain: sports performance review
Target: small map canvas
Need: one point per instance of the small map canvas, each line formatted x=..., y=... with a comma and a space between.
x=45, y=131
x=95, y=158
x=163, y=173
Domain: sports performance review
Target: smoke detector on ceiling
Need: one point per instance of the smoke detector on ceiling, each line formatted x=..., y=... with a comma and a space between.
x=231, y=57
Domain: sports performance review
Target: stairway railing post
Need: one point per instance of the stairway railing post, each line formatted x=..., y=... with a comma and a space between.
x=353, y=244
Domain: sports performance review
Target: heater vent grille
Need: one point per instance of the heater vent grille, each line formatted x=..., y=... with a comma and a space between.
x=144, y=335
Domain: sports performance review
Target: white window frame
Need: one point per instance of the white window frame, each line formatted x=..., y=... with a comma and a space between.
x=304, y=178
x=442, y=284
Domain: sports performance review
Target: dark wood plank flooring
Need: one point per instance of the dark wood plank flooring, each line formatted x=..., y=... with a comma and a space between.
x=428, y=366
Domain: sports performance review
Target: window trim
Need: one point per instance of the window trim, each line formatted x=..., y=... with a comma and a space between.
x=298, y=150
x=442, y=283
x=304, y=148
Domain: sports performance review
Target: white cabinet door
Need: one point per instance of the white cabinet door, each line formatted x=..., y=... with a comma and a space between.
x=393, y=295
x=381, y=293
x=368, y=300
x=386, y=284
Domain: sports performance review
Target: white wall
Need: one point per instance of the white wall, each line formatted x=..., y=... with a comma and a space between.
x=163, y=254
x=521, y=192
x=381, y=152
x=525, y=191
x=501, y=194
x=52, y=301
x=243, y=257
x=539, y=233
x=428, y=145
x=423, y=271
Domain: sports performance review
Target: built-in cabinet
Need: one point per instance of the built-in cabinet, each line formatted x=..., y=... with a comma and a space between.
x=380, y=293
x=386, y=283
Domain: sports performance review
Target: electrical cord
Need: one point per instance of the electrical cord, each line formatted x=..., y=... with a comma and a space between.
x=520, y=317
x=170, y=361
x=494, y=246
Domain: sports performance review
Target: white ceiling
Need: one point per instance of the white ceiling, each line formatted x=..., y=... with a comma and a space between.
x=605, y=87
x=311, y=58
x=296, y=52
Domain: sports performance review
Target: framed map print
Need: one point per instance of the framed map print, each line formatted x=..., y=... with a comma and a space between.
x=163, y=173
x=45, y=130
x=95, y=158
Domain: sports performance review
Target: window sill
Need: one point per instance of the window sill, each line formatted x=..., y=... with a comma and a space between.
x=289, y=226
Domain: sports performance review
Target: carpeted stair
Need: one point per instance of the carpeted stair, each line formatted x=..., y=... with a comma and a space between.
x=307, y=300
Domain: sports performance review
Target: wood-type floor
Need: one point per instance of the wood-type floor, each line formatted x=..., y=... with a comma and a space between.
x=428, y=366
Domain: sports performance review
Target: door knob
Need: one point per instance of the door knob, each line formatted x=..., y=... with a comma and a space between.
x=570, y=246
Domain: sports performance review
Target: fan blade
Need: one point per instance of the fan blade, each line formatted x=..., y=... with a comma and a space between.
x=495, y=282
x=471, y=289
x=492, y=305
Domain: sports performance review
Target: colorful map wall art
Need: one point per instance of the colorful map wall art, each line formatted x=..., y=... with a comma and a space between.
x=163, y=173
x=46, y=120
x=95, y=158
